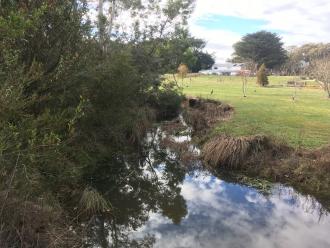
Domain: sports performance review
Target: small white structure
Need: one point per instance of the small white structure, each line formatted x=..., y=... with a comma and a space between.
x=224, y=69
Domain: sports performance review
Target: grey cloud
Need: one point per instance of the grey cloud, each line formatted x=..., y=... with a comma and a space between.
x=284, y=7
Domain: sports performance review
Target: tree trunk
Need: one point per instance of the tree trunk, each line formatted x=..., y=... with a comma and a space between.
x=112, y=13
x=244, y=85
x=101, y=23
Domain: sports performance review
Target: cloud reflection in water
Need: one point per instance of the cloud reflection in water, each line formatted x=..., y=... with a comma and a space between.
x=225, y=215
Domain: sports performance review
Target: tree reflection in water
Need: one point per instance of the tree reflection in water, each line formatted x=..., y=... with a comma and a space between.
x=151, y=182
x=144, y=183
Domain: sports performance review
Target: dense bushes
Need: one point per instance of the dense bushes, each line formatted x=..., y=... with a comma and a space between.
x=166, y=102
x=73, y=116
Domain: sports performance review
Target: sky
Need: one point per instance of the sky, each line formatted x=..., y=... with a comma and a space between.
x=221, y=23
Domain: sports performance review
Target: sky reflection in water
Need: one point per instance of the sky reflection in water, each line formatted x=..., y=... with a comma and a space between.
x=222, y=214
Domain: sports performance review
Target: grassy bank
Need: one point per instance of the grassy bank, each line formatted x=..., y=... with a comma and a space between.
x=256, y=156
x=303, y=122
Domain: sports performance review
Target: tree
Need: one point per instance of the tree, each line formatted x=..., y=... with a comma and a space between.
x=183, y=70
x=320, y=70
x=300, y=58
x=262, y=48
x=244, y=76
x=248, y=69
x=204, y=61
x=74, y=114
x=183, y=48
x=262, y=78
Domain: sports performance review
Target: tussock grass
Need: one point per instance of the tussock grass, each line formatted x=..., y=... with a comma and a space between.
x=231, y=152
x=92, y=202
x=261, y=157
x=24, y=223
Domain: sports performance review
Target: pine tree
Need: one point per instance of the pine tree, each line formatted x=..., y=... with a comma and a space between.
x=262, y=78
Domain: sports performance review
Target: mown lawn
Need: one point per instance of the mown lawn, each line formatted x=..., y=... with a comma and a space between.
x=303, y=122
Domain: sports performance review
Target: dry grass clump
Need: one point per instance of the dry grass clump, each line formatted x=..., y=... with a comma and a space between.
x=216, y=111
x=92, y=202
x=232, y=152
x=31, y=225
x=322, y=155
x=262, y=157
x=197, y=120
x=202, y=114
x=313, y=169
x=308, y=170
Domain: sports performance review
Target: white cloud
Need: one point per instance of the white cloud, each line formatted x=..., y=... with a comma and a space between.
x=219, y=41
x=297, y=21
x=223, y=216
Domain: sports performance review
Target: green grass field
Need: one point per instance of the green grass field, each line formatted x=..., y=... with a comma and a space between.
x=303, y=122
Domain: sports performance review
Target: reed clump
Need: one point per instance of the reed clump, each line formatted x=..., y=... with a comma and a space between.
x=233, y=152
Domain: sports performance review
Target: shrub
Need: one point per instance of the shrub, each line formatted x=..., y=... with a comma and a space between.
x=262, y=78
x=166, y=102
x=183, y=70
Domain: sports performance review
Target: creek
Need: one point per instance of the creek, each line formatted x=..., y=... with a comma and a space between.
x=188, y=206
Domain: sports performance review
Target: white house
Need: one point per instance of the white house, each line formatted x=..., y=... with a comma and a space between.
x=224, y=69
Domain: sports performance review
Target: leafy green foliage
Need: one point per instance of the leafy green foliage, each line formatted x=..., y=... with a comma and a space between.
x=262, y=78
x=204, y=61
x=74, y=116
x=261, y=48
x=166, y=102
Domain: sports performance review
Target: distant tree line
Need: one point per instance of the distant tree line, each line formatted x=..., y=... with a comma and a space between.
x=310, y=60
x=301, y=57
x=264, y=50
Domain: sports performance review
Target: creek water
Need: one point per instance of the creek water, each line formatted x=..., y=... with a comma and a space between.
x=194, y=208
x=222, y=214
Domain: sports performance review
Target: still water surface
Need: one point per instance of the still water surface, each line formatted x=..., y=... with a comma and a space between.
x=173, y=207
x=221, y=214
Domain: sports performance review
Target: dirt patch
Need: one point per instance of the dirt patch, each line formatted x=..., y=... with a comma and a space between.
x=202, y=114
